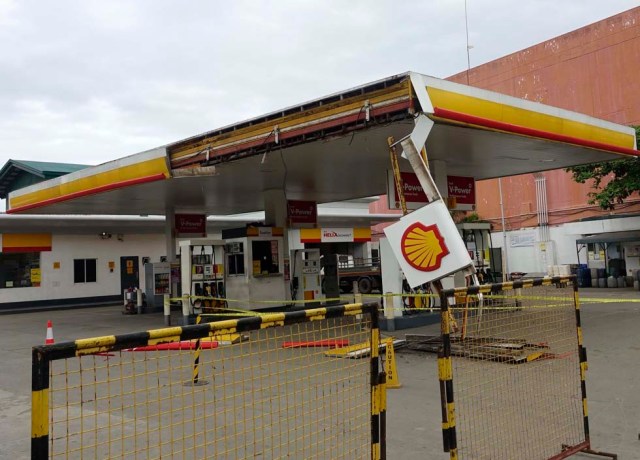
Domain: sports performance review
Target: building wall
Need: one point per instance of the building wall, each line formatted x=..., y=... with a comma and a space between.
x=525, y=258
x=593, y=70
x=59, y=283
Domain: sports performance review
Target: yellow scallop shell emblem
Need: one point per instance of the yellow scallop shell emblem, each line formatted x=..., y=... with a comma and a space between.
x=423, y=247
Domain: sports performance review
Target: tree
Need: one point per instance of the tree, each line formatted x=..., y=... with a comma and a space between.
x=624, y=174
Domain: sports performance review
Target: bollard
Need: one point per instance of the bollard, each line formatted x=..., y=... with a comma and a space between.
x=389, y=314
x=357, y=298
x=195, y=379
x=139, y=300
x=355, y=292
x=167, y=310
x=186, y=311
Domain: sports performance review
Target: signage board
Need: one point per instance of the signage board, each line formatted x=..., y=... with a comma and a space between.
x=461, y=191
x=191, y=224
x=264, y=231
x=413, y=193
x=302, y=212
x=427, y=244
x=36, y=276
x=522, y=239
x=336, y=235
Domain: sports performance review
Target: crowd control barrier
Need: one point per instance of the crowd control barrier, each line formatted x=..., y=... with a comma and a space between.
x=273, y=394
x=512, y=371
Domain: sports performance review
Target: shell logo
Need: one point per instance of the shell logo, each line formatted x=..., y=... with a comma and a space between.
x=423, y=247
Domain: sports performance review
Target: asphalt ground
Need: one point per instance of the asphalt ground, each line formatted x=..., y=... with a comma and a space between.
x=611, y=335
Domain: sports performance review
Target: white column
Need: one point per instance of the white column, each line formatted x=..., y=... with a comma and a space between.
x=391, y=280
x=170, y=234
x=438, y=170
x=275, y=214
x=275, y=208
x=185, y=273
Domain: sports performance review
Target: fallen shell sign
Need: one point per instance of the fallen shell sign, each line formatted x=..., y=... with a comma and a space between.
x=423, y=247
x=427, y=244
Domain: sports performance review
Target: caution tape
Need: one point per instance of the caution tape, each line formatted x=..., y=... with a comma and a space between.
x=274, y=302
x=554, y=298
x=485, y=298
x=377, y=296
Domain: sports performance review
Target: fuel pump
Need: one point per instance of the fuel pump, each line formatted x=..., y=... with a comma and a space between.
x=203, y=275
x=477, y=239
x=306, y=283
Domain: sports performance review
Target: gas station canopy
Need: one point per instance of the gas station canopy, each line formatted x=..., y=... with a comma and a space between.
x=333, y=149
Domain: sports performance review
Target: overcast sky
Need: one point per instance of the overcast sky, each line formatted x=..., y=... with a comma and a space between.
x=91, y=81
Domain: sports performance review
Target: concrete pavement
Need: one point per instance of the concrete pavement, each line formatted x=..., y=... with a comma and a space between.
x=611, y=334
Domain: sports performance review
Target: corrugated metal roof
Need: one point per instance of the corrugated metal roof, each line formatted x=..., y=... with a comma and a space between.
x=48, y=167
x=610, y=237
x=42, y=169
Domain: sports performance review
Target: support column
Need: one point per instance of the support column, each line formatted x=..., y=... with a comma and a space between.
x=391, y=283
x=275, y=214
x=170, y=234
x=185, y=273
x=438, y=170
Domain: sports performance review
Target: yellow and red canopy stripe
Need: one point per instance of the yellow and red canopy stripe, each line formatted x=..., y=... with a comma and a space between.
x=62, y=190
x=361, y=235
x=26, y=242
x=265, y=231
x=476, y=111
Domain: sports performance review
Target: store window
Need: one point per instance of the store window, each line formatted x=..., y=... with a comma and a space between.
x=235, y=258
x=19, y=269
x=84, y=270
x=265, y=256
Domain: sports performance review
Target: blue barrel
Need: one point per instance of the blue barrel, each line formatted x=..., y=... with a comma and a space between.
x=584, y=277
x=587, y=280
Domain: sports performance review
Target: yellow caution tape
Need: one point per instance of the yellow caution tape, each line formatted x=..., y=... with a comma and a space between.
x=275, y=302
x=486, y=298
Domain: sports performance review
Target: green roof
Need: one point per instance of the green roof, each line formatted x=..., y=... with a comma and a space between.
x=16, y=174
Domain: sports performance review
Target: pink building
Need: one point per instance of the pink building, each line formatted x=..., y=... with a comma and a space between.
x=593, y=70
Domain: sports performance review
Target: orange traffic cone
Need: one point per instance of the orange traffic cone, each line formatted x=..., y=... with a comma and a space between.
x=49, y=339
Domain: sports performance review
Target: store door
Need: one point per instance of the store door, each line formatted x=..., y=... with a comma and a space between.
x=129, y=272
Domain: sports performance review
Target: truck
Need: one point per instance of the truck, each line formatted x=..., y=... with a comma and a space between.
x=365, y=272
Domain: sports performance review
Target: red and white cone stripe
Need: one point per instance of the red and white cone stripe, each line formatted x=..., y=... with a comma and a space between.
x=49, y=339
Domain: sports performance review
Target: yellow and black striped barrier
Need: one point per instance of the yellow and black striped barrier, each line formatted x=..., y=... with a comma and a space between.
x=44, y=355
x=582, y=354
x=39, y=405
x=378, y=396
x=195, y=380
x=482, y=388
x=445, y=377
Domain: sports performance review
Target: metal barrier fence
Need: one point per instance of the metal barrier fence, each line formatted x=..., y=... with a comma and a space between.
x=271, y=394
x=513, y=357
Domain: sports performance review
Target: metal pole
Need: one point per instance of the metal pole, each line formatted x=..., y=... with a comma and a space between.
x=195, y=378
x=167, y=310
x=389, y=313
x=504, y=234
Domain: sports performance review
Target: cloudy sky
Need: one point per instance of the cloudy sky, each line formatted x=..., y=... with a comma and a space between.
x=90, y=81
